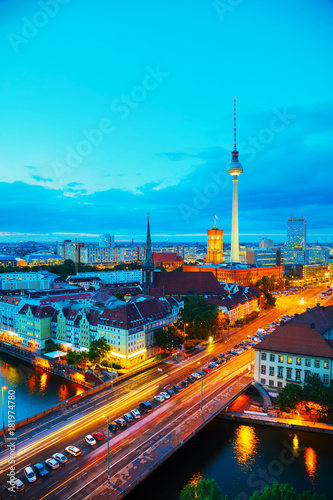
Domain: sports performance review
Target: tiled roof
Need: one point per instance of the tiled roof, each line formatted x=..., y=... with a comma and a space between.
x=297, y=339
x=10, y=300
x=321, y=316
x=167, y=257
x=38, y=311
x=134, y=314
x=191, y=283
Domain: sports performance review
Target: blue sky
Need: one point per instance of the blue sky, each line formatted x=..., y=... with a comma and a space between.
x=110, y=110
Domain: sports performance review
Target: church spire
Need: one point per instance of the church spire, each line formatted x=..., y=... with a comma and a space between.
x=148, y=262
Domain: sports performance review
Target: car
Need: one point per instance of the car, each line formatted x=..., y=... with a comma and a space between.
x=184, y=383
x=207, y=369
x=18, y=485
x=52, y=463
x=121, y=422
x=113, y=426
x=228, y=351
x=212, y=365
x=73, y=450
x=165, y=394
x=146, y=407
x=226, y=358
x=196, y=375
x=171, y=392
x=218, y=362
x=136, y=414
x=201, y=373
x=60, y=458
x=220, y=355
x=177, y=388
x=159, y=398
x=213, y=359
x=90, y=440
x=98, y=435
x=191, y=379
x=41, y=470
x=29, y=474
x=128, y=418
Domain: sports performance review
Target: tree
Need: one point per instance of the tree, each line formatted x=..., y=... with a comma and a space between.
x=98, y=350
x=200, y=488
x=120, y=296
x=289, y=397
x=168, y=339
x=201, y=317
x=284, y=492
x=73, y=358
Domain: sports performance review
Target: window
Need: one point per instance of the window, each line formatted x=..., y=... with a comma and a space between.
x=263, y=369
x=271, y=371
x=326, y=365
x=288, y=373
x=317, y=363
x=289, y=359
x=271, y=382
x=307, y=362
x=325, y=379
x=298, y=375
x=279, y=384
x=280, y=372
x=263, y=381
x=298, y=361
x=272, y=357
x=263, y=356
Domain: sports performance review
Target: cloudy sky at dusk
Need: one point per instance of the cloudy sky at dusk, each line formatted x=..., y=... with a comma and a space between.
x=110, y=110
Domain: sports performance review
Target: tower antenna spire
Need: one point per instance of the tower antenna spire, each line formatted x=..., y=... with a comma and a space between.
x=235, y=148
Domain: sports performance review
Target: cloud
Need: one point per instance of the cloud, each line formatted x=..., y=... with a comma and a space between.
x=74, y=184
x=38, y=178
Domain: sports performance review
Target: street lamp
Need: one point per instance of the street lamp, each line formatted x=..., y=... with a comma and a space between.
x=107, y=419
x=200, y=363
x=185, y=324
x=3, y=388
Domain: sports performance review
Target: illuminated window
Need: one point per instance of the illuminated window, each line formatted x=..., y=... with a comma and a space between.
x=326, y=365
x=307, y=362
x=280, y=358
x=298, y=361
x=289, y=359
x=317, y=363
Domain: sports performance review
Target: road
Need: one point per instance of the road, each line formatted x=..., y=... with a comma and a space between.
x=41, y=443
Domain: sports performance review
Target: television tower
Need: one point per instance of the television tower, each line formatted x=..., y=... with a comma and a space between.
x=235, y=169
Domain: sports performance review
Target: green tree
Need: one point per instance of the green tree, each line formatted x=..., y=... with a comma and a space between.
x=168, y=339
x=200, y=316
x=120, y=296
x=284, y=492
x=98, y=350
x=289, y=397
x=201, y=489
x=73, y=358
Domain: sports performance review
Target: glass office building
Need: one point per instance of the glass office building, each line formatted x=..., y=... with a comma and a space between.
x=296, y=233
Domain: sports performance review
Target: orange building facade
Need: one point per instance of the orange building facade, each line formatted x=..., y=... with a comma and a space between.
x=242, y=276
x=214, y=245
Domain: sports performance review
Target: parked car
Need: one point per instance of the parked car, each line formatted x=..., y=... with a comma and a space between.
x=221, y=355
x=159, y=398
x=18, y=485
x=213, y=359
x=60, y=458
x=171, y=392
x=184, y=383
x=218, y=362
x=177, y=388
x=29, y=474
x=165, y=394
x=146, y=407
x=73, y=450
x=90, y=440
x=121, y=422
x=98, y=435
x=41, y=470
x=191, y=379
x=207, y=369
x=129, y=418
x=113, y=426
x=196, y=375
x=211, y=365
x=136, y=414
x=52, y=463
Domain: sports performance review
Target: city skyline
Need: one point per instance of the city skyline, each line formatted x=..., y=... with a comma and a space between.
x=67, y=169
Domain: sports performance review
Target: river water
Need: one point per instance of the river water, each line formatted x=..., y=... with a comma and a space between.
x=35, y=389
x=245, y=458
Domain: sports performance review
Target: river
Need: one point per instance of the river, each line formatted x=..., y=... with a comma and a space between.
x=35, y=389
x=244, y=458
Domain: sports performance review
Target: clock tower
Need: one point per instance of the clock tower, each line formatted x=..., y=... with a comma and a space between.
x=214, y=245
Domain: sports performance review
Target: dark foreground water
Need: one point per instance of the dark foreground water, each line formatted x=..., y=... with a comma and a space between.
x=35, y=390
x=244, y=458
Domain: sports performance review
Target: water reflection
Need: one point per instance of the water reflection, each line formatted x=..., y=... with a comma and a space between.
x=63, y=393
x=295, y=445
x=245, y=445
x=43, y=382
x=310, y=458
x=32, y=383
x=79, y=391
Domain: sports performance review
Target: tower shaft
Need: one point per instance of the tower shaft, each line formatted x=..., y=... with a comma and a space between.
x=234, y=254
